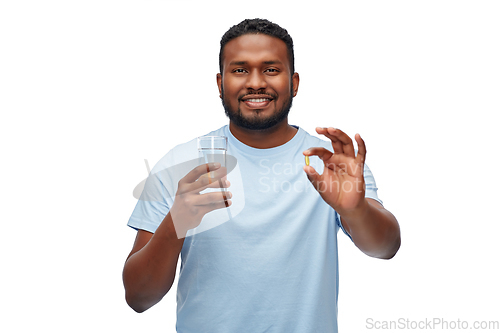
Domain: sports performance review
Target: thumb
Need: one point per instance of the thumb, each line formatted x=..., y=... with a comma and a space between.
x=312, y=175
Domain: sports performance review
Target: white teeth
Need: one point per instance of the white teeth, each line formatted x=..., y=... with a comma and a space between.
x=257, y=100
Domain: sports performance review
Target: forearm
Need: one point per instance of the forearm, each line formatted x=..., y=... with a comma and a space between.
x=373, y=229
x=150, y=272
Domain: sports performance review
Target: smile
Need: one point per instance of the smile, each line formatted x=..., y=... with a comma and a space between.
x=257, y=100
x=257, y=103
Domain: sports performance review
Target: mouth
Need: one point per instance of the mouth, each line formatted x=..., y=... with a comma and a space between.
x=257, y=102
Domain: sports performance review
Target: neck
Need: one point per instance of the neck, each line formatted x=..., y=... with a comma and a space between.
x=269, y=138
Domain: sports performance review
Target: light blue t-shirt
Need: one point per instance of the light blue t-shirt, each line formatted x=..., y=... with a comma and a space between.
x=268, y=263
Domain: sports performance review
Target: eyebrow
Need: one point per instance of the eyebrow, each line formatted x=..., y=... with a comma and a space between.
x=241, y=63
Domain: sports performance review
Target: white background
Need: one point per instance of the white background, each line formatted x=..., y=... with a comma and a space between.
x=90, y=89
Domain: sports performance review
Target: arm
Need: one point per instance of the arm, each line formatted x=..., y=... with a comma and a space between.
x=149, y=270
x=373, y=229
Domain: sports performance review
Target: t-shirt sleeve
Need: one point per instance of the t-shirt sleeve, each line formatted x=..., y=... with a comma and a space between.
x=370, y=192
x=153, y=204
x=370, y=185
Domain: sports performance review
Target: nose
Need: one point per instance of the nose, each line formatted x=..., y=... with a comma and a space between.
x=256, y=80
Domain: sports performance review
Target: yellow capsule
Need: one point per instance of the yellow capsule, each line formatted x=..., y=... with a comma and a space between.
x=307, y=160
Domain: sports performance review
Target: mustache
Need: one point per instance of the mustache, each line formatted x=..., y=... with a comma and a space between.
x=257, y=92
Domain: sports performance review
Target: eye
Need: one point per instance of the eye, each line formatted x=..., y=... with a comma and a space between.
x=272, y=71
x=239, y=70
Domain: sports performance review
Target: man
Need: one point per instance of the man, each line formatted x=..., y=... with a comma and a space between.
x=272, y=267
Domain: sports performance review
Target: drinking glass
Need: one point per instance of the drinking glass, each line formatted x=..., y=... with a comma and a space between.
x=212, y=149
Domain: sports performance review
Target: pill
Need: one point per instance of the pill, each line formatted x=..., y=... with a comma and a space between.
x=307, y=160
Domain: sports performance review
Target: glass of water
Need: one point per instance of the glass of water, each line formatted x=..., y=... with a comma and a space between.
x=213, y=149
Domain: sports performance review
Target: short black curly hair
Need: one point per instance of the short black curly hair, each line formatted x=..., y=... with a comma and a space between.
x=258, y=26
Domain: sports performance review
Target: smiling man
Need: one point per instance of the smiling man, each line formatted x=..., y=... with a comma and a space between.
x=256, y=82
x=273, y=267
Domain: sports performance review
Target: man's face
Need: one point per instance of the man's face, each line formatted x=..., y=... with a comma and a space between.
x=256, y=85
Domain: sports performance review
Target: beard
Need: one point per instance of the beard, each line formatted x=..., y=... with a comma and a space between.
x=255, y=122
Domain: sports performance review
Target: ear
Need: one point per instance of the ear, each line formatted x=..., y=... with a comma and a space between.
x=219, y=84
x=295, y=82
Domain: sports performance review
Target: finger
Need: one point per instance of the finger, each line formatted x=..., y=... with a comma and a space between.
x=214, y=179
x=343, y=164
x=218, y=203
x=336, y=144
x=331, y=161
x=344, y=140
x=361, y=149
x=208, y=199
x=341, y=142
x=321, y=152
x=223, y=185
x=208, y=208
x=312, y=175
x=194, y=174
x=199, y=186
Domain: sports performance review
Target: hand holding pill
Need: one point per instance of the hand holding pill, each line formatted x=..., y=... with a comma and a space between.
x=342, y=183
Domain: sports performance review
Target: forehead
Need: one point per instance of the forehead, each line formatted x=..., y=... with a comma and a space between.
x=255, y=48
